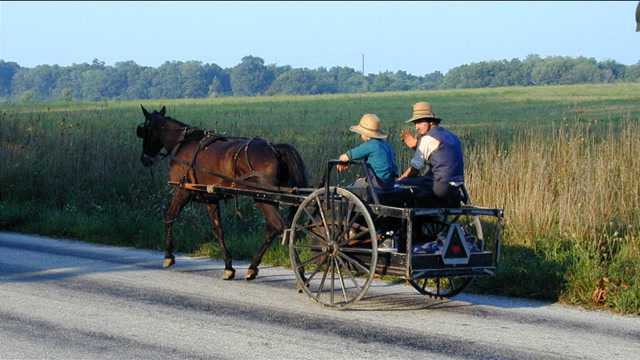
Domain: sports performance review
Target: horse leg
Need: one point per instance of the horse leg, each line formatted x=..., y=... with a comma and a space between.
x=214, y=214
x=179, y=200
x=273, y=226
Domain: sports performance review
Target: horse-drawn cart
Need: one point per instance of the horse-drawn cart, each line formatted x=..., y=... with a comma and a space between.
x=340, y=238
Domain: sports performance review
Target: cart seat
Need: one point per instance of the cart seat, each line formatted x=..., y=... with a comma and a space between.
x=414, y=196
x=399, y=196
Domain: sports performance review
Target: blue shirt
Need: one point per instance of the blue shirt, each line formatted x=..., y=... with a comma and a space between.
x=380, y=157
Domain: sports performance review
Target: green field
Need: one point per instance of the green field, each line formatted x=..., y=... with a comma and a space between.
x=561, y=160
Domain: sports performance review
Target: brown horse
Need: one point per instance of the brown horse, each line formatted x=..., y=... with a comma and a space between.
x=199, y=156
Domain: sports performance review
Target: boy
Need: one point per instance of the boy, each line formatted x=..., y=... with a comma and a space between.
x=376, y=152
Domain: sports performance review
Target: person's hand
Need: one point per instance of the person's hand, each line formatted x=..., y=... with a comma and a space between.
x=343, y=166
x=408, y=138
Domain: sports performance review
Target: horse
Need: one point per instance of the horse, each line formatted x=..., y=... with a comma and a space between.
x=201, y=156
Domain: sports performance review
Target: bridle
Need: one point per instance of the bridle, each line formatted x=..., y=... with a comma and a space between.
x=143, y=131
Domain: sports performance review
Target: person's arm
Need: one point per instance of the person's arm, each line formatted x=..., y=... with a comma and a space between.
x=416, y=164
x=411, y=171
x=409, y=139
x=359, y=152
x=426, y=146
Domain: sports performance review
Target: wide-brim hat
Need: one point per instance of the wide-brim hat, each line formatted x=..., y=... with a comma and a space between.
x=423, y=111
x=369, y=126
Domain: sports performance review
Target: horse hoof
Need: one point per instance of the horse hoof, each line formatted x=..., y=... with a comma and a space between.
x=168, y=262
x=229, y=274
x=251, y=274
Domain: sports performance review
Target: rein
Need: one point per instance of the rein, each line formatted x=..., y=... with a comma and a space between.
x=210, y=137
x=185, y=130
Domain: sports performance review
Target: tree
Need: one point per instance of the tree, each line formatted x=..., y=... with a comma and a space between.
x=250, y=77
x=7, y=71
x=611, y=70
x=193, y=79
x=66, y=95
x=167, y=81
x=41, y=80
x=431, y=81
x=582, y=72
x=549, y=71
x=27, y=96
x=70, y=77
x=136, y=80
x=348, y=80
x=381, y=82
x=215, y=73
x=94, y=84
x=632, y=72
x=215, y=88
x=325, y=81
x=278, y=70
x=295, y=81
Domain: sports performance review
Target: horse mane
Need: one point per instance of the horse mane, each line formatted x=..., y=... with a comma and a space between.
x=176, y=121
x=192, y=134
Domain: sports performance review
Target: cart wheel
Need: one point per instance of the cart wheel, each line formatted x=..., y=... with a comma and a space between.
x=333, y=247
x=441, y=286
x=449, y=286
x=471, y=225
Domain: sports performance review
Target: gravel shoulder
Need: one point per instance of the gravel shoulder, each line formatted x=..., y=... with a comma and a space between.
x=68, y=299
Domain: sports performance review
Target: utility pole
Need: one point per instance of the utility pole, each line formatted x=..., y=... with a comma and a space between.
x=638, y=17
x=362, y=64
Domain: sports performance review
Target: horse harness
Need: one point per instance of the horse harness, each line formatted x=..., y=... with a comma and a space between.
x=209, y=137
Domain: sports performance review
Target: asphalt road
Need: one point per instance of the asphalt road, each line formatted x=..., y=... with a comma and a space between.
x=71, y=300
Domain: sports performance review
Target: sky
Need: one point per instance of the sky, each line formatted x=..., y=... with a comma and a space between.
x=418, y=37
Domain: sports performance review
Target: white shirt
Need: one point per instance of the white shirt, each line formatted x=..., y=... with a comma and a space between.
x=426, y=147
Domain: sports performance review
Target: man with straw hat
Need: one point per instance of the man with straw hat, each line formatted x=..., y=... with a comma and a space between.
x=375, y=151
x=437, y=166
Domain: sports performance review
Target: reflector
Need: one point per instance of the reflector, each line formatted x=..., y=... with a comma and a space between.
x=456, y=249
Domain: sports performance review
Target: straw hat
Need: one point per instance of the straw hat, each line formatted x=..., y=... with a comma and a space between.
x=369, y=126
x=422, y=111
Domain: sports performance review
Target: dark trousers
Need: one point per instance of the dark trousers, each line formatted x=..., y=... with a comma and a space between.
x=360, y=187
x=433, y=193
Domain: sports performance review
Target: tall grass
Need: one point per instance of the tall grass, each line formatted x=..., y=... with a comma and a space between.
x=561, y=161
x=572, y=207
x=566, y=182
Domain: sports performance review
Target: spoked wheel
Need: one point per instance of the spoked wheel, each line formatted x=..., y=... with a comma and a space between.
x=441, y=286
x=333, y=247
x=471, y=225
x=435, y=230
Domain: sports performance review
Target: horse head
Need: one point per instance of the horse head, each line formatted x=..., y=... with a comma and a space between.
x=150, y=133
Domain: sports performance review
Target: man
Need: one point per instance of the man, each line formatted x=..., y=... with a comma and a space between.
x=437, y=167
x=375, y=151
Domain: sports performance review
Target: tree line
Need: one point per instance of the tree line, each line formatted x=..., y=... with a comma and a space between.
x=194, y=79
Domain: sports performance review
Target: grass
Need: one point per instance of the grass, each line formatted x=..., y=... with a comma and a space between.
x=560, y=160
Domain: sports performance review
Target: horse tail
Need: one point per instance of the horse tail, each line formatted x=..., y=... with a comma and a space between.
x=293, y=172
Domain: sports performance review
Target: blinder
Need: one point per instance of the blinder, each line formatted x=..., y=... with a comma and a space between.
x=142, y=131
